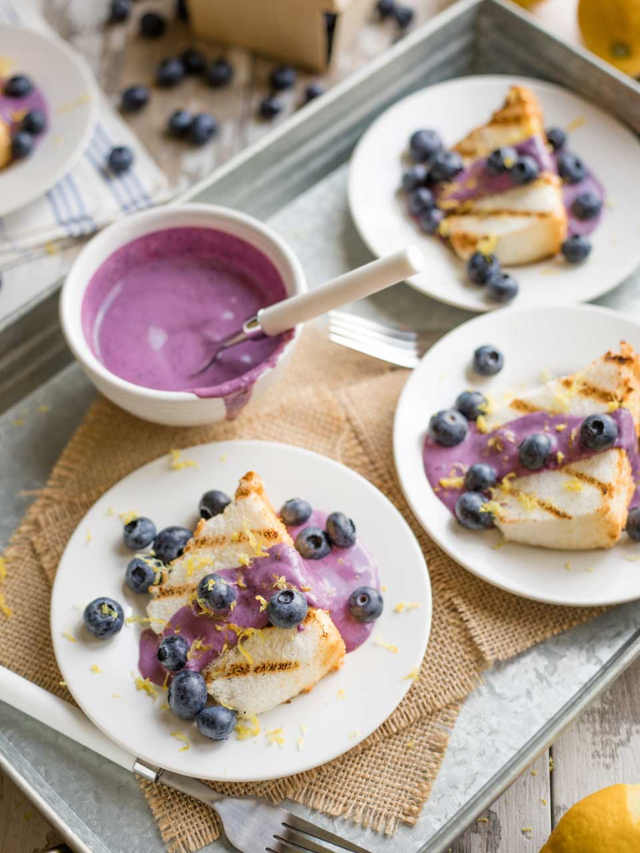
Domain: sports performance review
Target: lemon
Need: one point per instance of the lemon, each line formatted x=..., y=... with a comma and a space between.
x=605, y=822
x=611, y=29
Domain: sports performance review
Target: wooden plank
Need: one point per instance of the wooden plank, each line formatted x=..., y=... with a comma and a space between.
x=21, y=828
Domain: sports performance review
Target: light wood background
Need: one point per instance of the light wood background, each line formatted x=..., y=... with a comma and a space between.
x=603, y=747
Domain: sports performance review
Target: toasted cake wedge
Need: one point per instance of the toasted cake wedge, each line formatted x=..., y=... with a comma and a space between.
x=5, y=144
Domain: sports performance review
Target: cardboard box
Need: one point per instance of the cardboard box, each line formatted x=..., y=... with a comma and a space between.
x=309, y=33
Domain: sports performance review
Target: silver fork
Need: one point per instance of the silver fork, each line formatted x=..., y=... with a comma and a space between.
x=401, y=347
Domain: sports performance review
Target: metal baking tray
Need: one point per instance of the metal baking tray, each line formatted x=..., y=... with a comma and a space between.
x=296, y=180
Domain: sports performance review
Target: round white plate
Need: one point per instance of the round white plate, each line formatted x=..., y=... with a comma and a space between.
x=532, y=340
x=373, y=679
x=66, y=82
x=453, y=109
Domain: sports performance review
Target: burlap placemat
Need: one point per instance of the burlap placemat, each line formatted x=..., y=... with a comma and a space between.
x=340, y=404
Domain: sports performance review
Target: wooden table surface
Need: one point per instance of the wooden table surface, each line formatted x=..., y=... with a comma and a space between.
x=603, y=747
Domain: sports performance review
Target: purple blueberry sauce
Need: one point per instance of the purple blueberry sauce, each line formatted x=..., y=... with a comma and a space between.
x=13, y=110
x=327, y=585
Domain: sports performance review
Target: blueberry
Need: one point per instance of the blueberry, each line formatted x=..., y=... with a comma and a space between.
x=472, y=404
x=312, y=543
x=424, y=145
x=172, y=652
x=120, y=159
x=216, y=722
x=182, y=10
x=287, y=608
x=187, y=694
x=139, y=533
x=404, y=16
x=366, y=604
x=385, y=8
x=170, y=72
x=213, y=503
x=169, y=543
x=502, y=287
x=35, y=122
x=313, y=91
x=103, y=617
x=448, y=428
x=445, y=166
x=524, y=171
x=152, y=25
x=487, y=360
x=270, y=107
x=203, y=128
x=21, y=144
x=471, y=511
x=120, y=10
x=556, y=138
x=586, y=206
x=413, y=177
x=576, y=249
x=341, y=530
x=193, y=60
x=481, y=267
x=501, y=160
x=283, y=77
x=420, y=200
x=571, y=169
x=220, y=73
x=179, y=123
x=18, y=86
x=598, y=432
x=295, y=511
x=633, y=524
x=134, y=99
x=480, y=477
x=429, y=221
x=534, y=451
x=142, y=572
x=215, y=593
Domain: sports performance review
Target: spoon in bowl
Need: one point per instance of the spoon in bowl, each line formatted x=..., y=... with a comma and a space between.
x=363, y=281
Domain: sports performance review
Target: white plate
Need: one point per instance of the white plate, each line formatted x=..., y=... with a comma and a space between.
x=455, y=107
x=373, y=679
x=66, y=82
x=559, y=340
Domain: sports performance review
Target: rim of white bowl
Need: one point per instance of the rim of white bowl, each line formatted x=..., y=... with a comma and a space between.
x=119, y=234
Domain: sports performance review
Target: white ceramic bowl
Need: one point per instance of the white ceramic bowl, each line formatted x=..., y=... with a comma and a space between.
x=170, y=408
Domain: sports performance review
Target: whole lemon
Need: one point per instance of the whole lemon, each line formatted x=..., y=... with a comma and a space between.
x=611, y=29
x=605, y=822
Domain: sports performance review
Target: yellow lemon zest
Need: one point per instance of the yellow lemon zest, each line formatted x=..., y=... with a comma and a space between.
x=128, y=517
x=573, y=485
x=452, y=482
x=69, y=636
x=146, y=686
x=247, y=731
x=95, y=669
x=413, y=675
x=406, y=605
x=275, y=736
x=178, y=735
x=388, y=646
x=263, y=603
x=178, y=463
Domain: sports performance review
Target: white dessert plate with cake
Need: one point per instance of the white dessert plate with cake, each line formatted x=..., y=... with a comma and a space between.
x=543, y=452
x=304, y=692
x=517, y=206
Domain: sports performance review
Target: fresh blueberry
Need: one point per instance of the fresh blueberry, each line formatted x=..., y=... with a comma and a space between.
x=633, y=524
x=172, y=652
x=313, y=91
x=21, y=144
x=366, y=604
x=420, y=200
x=134, y=99
x=142, y=572
x=179, y=123
x=215, y=593
x=18, y=86
x=152, y=25
x=487, y=360
x=120, y=10
x=220, y=73
x=413, y=177
x=404, y=16
x=424, y=145
x=445, y=166
x=472, y=404
x=385, y=8
x=203, y=128
x=213, y=503
x=182, y=10
x=169, y=543
x=193, y=60
x=429, y=221
x=341, y=530
x=534, y=451
x=480, y=477
x=556, y=138
x=598, y=432
x=170, y=72
x=501, y=160
x=448, y=428
x=586, y=206
x=187, y=694
x=103, y=617
x=481, y=267
x=287, y=608
x=312, y=543
x=502, y=287
x=216, y=722
x=570, y=168
x=283, y=77
x=472, y=513
x=576, y=249
x=35, y=122
x=295, y=511
x=120, y=159
x=524, y=170
x=270, y=107
x=139, y=533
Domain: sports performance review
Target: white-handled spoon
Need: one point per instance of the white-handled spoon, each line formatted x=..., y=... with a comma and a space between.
x=284, y=315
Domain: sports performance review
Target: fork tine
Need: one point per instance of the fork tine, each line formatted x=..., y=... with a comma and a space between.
x=365, y=333
x=291, y=837
x=347, y=319
x=294, y=822
x=385, y=352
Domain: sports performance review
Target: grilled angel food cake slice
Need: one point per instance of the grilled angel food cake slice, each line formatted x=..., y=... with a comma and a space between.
x=5, y=144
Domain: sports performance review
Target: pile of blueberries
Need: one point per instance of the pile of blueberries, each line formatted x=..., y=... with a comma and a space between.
x=287, y=608
x=32, y=124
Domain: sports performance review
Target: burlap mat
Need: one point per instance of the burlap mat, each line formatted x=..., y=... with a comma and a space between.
x=340, y=404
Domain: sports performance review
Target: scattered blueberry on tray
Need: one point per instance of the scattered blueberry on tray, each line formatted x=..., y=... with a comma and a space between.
x=120, y=159
x=193, y=60
x=179, y=123
x=283, y=77
x=203, y=128
x=134, y=99
x=270, y=107
x=152, y=25
x=219, y=73
x=171, y=71
x=119, y=11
